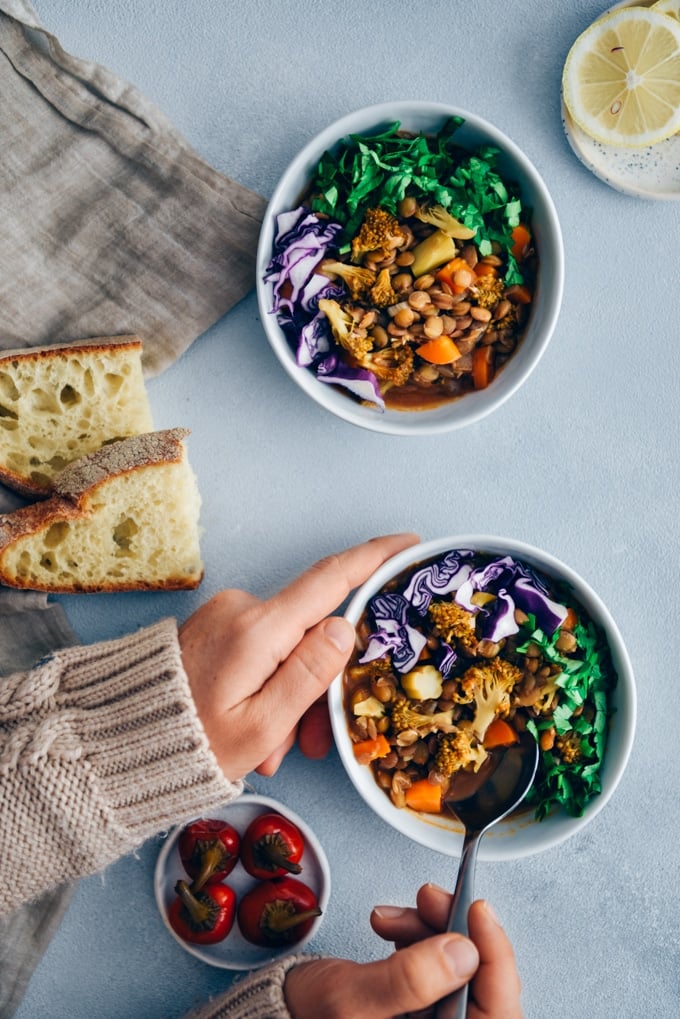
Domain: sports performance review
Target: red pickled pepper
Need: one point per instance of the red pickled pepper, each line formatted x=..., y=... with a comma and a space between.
x=272, y=847
x=203, y=917
x=209, y=850
x=277, y=912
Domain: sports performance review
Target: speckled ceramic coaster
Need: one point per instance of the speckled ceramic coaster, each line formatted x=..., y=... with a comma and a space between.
x=650, y=172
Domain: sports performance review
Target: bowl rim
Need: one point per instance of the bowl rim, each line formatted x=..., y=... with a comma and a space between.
x=497, y=845
x=439, y=419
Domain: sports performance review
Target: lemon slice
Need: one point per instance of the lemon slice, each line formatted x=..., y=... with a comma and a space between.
x=621, y=79
x=671, y=7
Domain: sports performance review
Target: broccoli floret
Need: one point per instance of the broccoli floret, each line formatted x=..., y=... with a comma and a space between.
x=357, y=280
x=347, y=332
x=392, y=365
x=491, y=685
x=406, y=716
x=568, y=746
x=380, y=232
x=454, y=623
x=437, y=216
x=382, y=293
x=368, y=671
x=458, y=750
x=544, y=702
x=488, y=291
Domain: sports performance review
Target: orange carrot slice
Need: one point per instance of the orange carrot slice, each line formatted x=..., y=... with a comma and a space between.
x=499, y=734
x=440, y=351
x=482, y=367
x=521, y=240
x=425, y=796
x=368, y=750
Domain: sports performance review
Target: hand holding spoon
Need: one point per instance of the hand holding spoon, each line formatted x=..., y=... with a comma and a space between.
x=501, y=784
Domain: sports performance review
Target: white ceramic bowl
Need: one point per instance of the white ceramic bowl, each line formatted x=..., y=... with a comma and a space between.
x=521, y=835
x=427, y=117
x=235, y=953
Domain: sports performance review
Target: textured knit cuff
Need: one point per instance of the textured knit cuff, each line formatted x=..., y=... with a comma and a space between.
x=141, y=736
x=101, y=748
x=258, y=996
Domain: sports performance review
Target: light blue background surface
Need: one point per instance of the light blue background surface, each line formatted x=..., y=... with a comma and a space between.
x=583, y=462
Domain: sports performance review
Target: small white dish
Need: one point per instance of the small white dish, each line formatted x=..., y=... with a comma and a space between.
x=652, y=172
x=235, y=952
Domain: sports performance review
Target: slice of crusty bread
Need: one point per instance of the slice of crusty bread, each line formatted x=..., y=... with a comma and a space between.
x=122, y=518
x=58, y=403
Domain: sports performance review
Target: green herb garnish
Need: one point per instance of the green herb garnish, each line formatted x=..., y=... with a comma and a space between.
x=380, y=170
x=580, y=719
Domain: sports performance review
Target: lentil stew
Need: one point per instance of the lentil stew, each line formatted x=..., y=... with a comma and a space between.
x=408, y=286
x=458, y=655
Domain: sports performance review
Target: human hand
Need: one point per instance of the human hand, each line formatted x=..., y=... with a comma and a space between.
x=259, y=669
x=426, y=967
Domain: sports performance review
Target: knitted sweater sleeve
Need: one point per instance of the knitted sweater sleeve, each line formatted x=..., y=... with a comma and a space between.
x=100, y=748
x=259, y=996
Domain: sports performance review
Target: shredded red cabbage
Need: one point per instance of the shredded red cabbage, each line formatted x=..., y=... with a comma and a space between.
x=438, y=578
x=362, y=383
x=444, y=658
x=393, y=633
x=513, y=584
x=302, y=240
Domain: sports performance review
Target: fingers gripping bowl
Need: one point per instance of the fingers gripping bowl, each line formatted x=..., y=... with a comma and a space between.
x=444, y=320
x=462, y=643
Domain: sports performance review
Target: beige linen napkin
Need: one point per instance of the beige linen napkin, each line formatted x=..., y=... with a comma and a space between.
x=111, y=223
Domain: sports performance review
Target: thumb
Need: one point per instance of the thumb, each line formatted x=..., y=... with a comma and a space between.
x=407, y=981
x=307, y=672
x=417, y=976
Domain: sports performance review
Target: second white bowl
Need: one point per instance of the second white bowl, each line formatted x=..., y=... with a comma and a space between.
x=427, y=117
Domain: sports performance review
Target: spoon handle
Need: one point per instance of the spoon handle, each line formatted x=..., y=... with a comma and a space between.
x=454, y=1006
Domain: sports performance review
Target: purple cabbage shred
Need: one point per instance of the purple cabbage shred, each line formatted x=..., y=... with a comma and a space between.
x=362, y=383
x=515, y=586
x=392, y=633
x=301, y=241
x=444, y=658
x=437, y=579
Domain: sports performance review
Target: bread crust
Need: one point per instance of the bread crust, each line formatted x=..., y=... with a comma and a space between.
x=89, y=472
x=127, y=341
x=75, y=487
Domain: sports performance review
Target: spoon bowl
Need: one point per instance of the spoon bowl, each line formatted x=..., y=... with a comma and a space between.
x=499, y=787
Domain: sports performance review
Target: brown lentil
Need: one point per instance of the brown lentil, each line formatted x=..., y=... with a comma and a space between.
x=463, y=278
x=433, y=328
x=379, y=336
x=405, y=258
x=407, y=207
x=404, y=317
x=547, y=739
x=418, y=300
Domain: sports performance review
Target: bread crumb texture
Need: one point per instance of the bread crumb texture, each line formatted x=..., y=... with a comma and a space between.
x=125, y=517
x=59, y=403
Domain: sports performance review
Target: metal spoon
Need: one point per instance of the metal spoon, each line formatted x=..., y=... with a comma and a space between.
x=503, y=782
